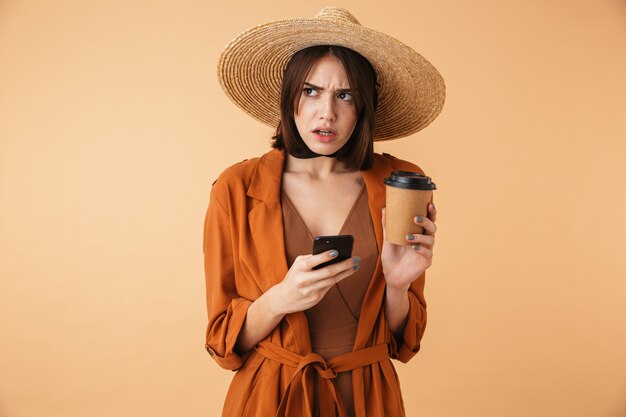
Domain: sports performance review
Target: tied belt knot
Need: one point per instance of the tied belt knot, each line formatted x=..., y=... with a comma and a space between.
x=315, y=361
x=299, y=395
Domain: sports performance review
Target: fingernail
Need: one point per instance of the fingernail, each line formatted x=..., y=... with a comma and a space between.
x=419, y=219
x=356, y=267
x=416, y=247
x=333, y=253
x=356, y=260
x=433, y=205
x=410, y=237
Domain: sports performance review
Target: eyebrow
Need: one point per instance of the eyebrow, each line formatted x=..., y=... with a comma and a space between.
x=341, y=90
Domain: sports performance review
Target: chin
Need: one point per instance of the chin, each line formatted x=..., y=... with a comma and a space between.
x=325, y=151
x=325, y=148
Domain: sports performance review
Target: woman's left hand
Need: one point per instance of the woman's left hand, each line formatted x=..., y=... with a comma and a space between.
x=403, y=264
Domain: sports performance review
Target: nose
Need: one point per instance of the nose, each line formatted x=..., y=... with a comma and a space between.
x=327, y=108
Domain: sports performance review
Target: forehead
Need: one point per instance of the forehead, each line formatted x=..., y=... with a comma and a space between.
x=328, y=69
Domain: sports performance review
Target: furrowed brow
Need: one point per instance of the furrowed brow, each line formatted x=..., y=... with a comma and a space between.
x=341, y=90
x=307, y=84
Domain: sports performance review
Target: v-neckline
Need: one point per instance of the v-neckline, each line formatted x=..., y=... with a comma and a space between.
x=345, y=222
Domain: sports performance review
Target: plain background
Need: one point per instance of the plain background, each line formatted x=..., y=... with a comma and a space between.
x=113, y=127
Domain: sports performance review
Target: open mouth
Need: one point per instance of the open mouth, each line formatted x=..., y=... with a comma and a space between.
x=324, y=132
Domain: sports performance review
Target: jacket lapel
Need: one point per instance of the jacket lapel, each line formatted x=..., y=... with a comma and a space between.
x=266, y=220
x=266, y=225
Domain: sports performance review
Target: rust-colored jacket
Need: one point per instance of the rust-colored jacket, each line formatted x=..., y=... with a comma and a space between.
x=245, y=255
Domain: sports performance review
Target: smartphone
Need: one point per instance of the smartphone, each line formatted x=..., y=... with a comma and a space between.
x=341, y=243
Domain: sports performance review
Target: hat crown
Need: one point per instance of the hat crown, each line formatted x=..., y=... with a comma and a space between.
x=337, y=13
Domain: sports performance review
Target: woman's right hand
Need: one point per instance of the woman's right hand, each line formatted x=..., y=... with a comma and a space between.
x=303, y=287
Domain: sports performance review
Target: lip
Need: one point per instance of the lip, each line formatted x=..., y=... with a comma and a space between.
x=325, y=138
x=326, y=128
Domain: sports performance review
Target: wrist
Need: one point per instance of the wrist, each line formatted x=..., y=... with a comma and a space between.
x=397, y=309
x=270, y=302
x=396, y=297
x=397, y=291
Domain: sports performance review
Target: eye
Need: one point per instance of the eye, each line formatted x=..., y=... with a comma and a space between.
x=345, y=96
x=309, y=92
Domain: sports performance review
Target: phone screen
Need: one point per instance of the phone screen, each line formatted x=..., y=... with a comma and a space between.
x=341, y=243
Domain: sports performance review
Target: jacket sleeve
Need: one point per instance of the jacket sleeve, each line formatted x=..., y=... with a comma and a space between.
x=405, y=349
x=226, y=309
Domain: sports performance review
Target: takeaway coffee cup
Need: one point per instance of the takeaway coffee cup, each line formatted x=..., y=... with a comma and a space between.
x=408, y=195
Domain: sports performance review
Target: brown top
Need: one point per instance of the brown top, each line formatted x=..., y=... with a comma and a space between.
x=333, y=322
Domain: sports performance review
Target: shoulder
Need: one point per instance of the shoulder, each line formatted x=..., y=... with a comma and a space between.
x=391, y=162
x=234, y=180
x=256, y=177
x=241, y=172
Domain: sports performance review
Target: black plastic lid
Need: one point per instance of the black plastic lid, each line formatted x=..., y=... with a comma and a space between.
x=410, y=180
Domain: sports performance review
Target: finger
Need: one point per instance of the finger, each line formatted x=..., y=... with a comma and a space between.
x=422, y=250
x=314, y=260
x=423, y=240
x=432, y=212
x=335, y=269
x=430, y=228
x=326, y=283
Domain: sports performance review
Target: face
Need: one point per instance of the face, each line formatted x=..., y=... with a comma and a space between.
x=325, y=114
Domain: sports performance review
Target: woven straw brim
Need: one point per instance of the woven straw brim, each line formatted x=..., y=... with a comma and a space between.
x=250, y=70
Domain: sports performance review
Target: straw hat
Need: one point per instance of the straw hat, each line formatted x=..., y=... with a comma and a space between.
x=250, y=70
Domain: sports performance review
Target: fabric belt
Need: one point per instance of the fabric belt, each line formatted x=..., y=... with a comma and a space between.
x=298, y=398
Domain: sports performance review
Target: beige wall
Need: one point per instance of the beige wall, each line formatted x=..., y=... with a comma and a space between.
x=113, y=126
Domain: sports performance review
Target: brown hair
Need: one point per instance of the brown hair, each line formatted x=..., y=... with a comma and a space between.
x=358, y=152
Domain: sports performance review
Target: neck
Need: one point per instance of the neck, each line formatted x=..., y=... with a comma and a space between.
x=320, y=167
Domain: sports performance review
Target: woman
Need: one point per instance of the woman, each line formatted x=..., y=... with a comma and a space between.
x=308, y=341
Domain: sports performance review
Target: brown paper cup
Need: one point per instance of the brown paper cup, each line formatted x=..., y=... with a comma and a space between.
x=402, y=207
